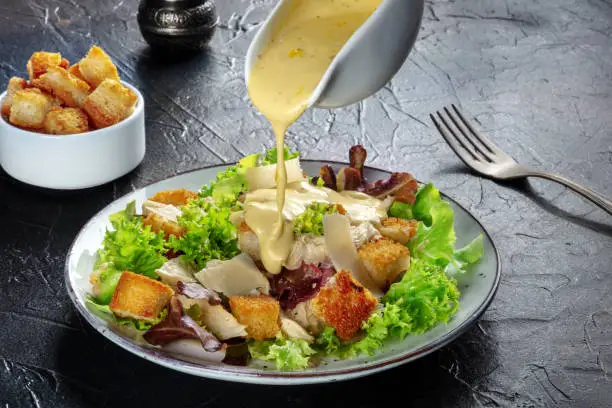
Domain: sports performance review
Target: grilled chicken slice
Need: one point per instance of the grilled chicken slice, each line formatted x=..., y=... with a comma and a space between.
x=175, y=270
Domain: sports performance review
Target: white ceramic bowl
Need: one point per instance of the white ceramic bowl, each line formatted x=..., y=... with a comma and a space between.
x=70, y=162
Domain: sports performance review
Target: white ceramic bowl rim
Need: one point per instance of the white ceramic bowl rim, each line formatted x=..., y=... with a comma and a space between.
x=92, y=133
x=284, y=378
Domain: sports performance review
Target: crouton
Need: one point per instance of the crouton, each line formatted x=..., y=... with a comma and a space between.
x=174, y=197
x=343, y=304
x=385, y=260
x=109, y=103
x=39, y=63
x=65, y=121
x=74, y=70
x=68, y=88
x=159, y=223
x=15, y=84
x=139, y=297
x=260, y=313
x=29, y=108
x=97, y=66
x=398, y=229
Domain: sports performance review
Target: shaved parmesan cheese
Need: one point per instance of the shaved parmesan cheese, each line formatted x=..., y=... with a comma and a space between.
x=235, y=277
x=216, y=319
x=342, y=250
x=167, y=211
x=175, y=270
x=293, y=330
x=265, y=176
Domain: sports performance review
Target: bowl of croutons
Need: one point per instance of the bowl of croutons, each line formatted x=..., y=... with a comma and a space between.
x=71, y=126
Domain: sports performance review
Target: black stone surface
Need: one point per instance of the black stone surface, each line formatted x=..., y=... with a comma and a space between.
x=536, y=75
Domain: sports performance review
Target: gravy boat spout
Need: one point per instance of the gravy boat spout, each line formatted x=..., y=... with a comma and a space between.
x=368, y=60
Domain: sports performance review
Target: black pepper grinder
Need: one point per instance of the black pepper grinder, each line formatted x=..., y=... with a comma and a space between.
x=177, y=26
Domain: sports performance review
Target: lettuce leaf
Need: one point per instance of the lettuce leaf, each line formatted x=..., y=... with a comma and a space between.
x=108, y=279
x=469, y=254
x=401, y=210
x=230, y=183
x=210, y=234
x=435, y=243
x=426, y=199
x=311, y=220
x=287, y=354
x=130, y=246
x=424, y=298
x=104, y=312
x=435, y=238
x=270, y=156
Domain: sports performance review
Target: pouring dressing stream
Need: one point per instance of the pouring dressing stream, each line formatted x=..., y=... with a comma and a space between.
x=281, y=82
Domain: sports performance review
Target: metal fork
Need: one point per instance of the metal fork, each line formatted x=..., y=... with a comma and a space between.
x=482, y=156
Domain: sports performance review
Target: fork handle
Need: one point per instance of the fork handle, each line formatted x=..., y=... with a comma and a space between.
x=595, y=197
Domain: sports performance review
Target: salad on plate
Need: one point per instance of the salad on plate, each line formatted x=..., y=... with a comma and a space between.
x=366, y=261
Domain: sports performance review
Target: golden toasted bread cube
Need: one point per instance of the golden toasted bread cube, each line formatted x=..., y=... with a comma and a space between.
x=65, y=121
x=29, y=108
x=40, y=61
x=139, y=297
x=385, y=260
x=159, y=223
x=260, y=313
x=398, y=229
x=97, y=66
x=15, y=84
x=109, y=103
x=343, y=304
x=66, y=87
x=177, y=197
x=75, y=71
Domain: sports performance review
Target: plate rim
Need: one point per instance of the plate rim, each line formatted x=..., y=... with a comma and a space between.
x=229, y=373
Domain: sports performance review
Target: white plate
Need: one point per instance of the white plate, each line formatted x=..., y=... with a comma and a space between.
x=477, y=287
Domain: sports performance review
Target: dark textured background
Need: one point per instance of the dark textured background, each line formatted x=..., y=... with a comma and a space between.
x=537, y=76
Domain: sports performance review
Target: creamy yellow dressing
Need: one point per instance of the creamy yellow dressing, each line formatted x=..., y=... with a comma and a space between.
x=281, y=83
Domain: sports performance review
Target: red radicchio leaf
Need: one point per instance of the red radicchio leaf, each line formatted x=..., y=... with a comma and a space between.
x=176, y=326
x=349, y=179
x=357, y=158
x=328, y=176
x=401, y=184
x=196, y=291
x=291, y=287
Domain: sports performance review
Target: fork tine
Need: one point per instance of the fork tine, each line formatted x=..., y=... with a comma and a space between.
x=482, y=150
x=455, y=132
x=465, y=156
x=485, y=142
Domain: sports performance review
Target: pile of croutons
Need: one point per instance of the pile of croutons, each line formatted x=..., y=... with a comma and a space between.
x=61, y=99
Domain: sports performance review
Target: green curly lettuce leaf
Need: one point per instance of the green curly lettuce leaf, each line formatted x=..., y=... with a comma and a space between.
x=311, y=220
x=270, y=157
x=424, y=298
x=209, y=233
x=129, y=246
x=287, y=354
